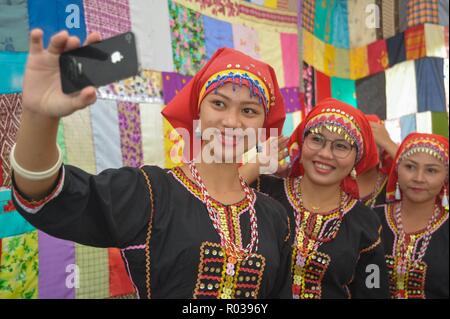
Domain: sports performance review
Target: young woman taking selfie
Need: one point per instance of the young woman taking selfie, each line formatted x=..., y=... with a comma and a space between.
x=198, y=231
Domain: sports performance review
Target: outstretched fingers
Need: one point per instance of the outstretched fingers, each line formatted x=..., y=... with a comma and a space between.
x=92, y=38
x=58, y=42
x=35, y=42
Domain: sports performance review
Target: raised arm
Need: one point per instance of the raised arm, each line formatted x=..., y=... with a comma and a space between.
x=43, y=105
x=383, y=139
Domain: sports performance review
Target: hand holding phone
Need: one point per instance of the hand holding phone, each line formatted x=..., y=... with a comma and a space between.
x=42, y=92
x=99, y=63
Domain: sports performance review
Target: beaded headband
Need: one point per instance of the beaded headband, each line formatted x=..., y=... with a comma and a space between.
x=340, y=122
x=239, y=77
x=428, y=146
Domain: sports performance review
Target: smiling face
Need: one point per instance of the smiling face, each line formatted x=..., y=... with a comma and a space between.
x=421, y=177
x=323, y=165
x=225, y=114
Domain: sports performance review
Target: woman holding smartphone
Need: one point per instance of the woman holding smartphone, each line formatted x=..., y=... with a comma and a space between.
x=197, y=231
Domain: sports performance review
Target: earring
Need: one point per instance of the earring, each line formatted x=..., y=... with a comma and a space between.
x=353, y=173
x=398, y=194
x=445, y=199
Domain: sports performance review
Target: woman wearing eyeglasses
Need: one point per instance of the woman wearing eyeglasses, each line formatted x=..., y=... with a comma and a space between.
x=371, y=182
x=337, y=251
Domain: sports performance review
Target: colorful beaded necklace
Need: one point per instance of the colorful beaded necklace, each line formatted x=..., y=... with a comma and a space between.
x=402, y=248
x=310, y=242
x=236, y=253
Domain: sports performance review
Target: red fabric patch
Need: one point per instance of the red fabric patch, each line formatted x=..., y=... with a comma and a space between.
x=415, y=42
x=119, y=282
x=378, y=56
x=323, y=86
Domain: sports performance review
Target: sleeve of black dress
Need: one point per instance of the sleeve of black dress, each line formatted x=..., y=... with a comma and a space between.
x=105, y=210
x=371, y=279
x=283, y=285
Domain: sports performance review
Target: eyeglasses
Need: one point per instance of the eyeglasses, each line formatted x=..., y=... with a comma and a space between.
x=339, y=148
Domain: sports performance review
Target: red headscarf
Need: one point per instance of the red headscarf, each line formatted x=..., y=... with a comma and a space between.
x=342, y=118
x=227, y=65
x=433, y=144
x=384, y=157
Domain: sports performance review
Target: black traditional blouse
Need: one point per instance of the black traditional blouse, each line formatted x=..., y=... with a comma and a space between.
x=351, y=265
x=378, y=197
x=168, y=242
x=428, y=278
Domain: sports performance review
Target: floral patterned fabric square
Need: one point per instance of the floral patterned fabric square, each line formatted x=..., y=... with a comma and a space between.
x=188, y=39
x=19, y=267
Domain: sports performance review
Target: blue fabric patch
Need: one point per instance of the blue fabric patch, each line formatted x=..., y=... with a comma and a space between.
x=106, y=134
x=340, y=36
x=331, y=23
x=430, y=85
x=11, y=222
x=344, y=90
x=288, y=127
x=218, y=34
x=13, y=26
x=56, y=16
x=443, y=12
x=408, y=124
x=12, y=66
x=320, y=19
x=396, y=49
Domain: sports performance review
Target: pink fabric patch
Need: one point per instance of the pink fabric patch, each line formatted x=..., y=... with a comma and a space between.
x=246, y=40
x=107, y=17
x=130, y=134
x=289, y=48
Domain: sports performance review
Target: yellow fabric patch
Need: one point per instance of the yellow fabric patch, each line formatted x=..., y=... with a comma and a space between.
x=19, y=267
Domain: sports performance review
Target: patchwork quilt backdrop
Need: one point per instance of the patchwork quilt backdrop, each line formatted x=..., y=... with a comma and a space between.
x=385, y=57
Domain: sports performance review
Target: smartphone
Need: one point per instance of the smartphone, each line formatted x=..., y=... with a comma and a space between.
x=99, y=64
